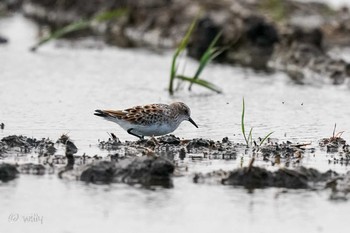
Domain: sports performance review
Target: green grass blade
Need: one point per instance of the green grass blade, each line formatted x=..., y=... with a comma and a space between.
x=218, y=51
x=266, y=137
x=250, y=136
x=109, y=15
x=79, y=25
x=62, y=32
x=242, y=123
x=207, y=57
x=201, y=82
x=172, y=75
x=179, y=50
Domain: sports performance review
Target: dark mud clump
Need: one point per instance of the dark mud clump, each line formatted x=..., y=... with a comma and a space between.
x=101, y=172
x=70, y=150
x=199, y=143
x=169, y=139
x=8, y=6
x=144, y=170
x=2, y=148
x=338, y=148
x=303, y=58
x=286, y=152
x=333, y=144
x=256, y=177
x=340, y=187
x=3, y=40
x=8, y=172
x=172, y=147
x=33, y=169
x=21, y=142
x=24, y=144
x=112, y=143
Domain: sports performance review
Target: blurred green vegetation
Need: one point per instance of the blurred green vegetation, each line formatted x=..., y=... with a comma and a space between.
x=275, y=8
x=80, y=25
x=210, y=54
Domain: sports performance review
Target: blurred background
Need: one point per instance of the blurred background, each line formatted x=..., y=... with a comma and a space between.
x=62, y=59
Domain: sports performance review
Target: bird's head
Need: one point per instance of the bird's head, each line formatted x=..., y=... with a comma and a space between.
x=184, y=111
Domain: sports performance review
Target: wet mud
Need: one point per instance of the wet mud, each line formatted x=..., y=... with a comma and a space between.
x=256, y=177
x=8, y=172
x=154, y=162
x=3, y=40
x=146, y=171
x=299, y=178
x=340, y=187
x=22, y=144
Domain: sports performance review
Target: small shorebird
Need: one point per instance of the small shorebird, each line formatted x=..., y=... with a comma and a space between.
x=149, y=120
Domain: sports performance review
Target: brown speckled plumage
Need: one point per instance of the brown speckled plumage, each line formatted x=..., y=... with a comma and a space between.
x=142, y=114
x=158, y=119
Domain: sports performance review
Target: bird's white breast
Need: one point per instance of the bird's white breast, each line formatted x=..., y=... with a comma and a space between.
x=155, y=129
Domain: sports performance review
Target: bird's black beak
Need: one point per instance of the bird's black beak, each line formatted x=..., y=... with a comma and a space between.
x=194, y=123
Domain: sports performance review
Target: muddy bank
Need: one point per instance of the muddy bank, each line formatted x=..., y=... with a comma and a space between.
x=290, y=36
x=3, y=40
x=256, y=177
x=9, y=6
x=300, y=178
x=147, y=171
x=22, y=144
x=153, y=162
x=8, y=172
x=173, y=149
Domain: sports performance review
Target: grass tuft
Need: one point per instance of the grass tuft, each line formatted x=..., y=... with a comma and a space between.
x=182, y=46
x=249, y=139
x=210, y=54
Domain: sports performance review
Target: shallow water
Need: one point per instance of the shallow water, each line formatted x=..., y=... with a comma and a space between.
x=56, y=90
x=75, y=207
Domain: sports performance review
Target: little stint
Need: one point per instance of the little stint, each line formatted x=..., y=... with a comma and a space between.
x=149, y=120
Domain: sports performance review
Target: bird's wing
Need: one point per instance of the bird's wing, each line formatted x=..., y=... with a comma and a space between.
x=137, y=114
x=122, y=115
x=146, y=109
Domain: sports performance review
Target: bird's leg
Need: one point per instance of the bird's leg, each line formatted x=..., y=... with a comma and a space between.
x=155, y=140
x=113, y=137
x=129, y=132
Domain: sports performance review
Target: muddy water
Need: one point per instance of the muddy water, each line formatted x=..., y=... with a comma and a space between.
x=56, y=90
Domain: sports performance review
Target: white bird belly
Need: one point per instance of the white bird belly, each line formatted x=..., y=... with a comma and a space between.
x=146, y=130
x=153, y=130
